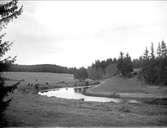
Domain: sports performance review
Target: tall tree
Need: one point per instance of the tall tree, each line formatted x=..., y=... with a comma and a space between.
x=159, y=50
x=120, y=62
x=152, y=52
x=8, y=11
x=125, y=65
x=146, y=54
x=163, y=49
x=129, y=65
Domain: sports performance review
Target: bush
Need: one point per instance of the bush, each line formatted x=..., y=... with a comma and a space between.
x=29, y=88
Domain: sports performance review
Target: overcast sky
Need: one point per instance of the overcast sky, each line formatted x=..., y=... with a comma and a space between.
x=71, y=33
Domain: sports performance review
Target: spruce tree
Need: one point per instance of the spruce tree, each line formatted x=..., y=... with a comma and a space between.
x=146, y=55
x=120, y=65
x=8, y=11
x=163, y=49
x=159, y=50
x=129, y=65
x=125, y=65
x=152, y=52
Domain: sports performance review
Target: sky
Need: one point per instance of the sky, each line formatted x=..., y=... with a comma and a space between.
x=76, y=33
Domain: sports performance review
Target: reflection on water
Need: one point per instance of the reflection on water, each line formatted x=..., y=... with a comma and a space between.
x=76, y=93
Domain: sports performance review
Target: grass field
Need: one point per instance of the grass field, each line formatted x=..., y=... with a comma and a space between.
x=41, y=78
x=124, y=87
x=44, y=80
x=35, y=110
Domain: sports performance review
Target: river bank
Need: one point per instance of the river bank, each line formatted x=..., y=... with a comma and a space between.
x=117, y=87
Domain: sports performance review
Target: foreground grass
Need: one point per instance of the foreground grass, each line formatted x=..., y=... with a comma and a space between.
x=35, y=110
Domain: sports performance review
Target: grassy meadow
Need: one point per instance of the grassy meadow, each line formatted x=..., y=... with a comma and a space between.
x=34, y=110
x=39, y=77
x=131, y=88
x=44, y=80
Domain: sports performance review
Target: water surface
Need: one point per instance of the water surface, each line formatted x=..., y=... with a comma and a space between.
x=76, y=93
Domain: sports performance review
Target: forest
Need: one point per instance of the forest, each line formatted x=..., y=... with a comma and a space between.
x=151, y=66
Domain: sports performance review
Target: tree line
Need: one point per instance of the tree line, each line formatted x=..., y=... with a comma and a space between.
x=152, y=66
x=98, y=70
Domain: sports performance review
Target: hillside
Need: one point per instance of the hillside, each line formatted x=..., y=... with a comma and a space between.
x=38, y=68
x=127, y=87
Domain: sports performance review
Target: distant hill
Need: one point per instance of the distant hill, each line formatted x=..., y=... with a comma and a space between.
x=39, y=68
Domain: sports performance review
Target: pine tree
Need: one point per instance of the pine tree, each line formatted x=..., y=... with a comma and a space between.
x=125, y=65
x=129, y=63
x=163, y=49
x=146, y=54
x=8, y=11
x=159, y=50
x=152, y=52
x=121, y=63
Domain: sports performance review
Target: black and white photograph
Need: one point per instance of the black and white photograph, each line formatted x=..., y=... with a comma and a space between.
x=83, y=63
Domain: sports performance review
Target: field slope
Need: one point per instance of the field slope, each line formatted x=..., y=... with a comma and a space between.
x=125, y=87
